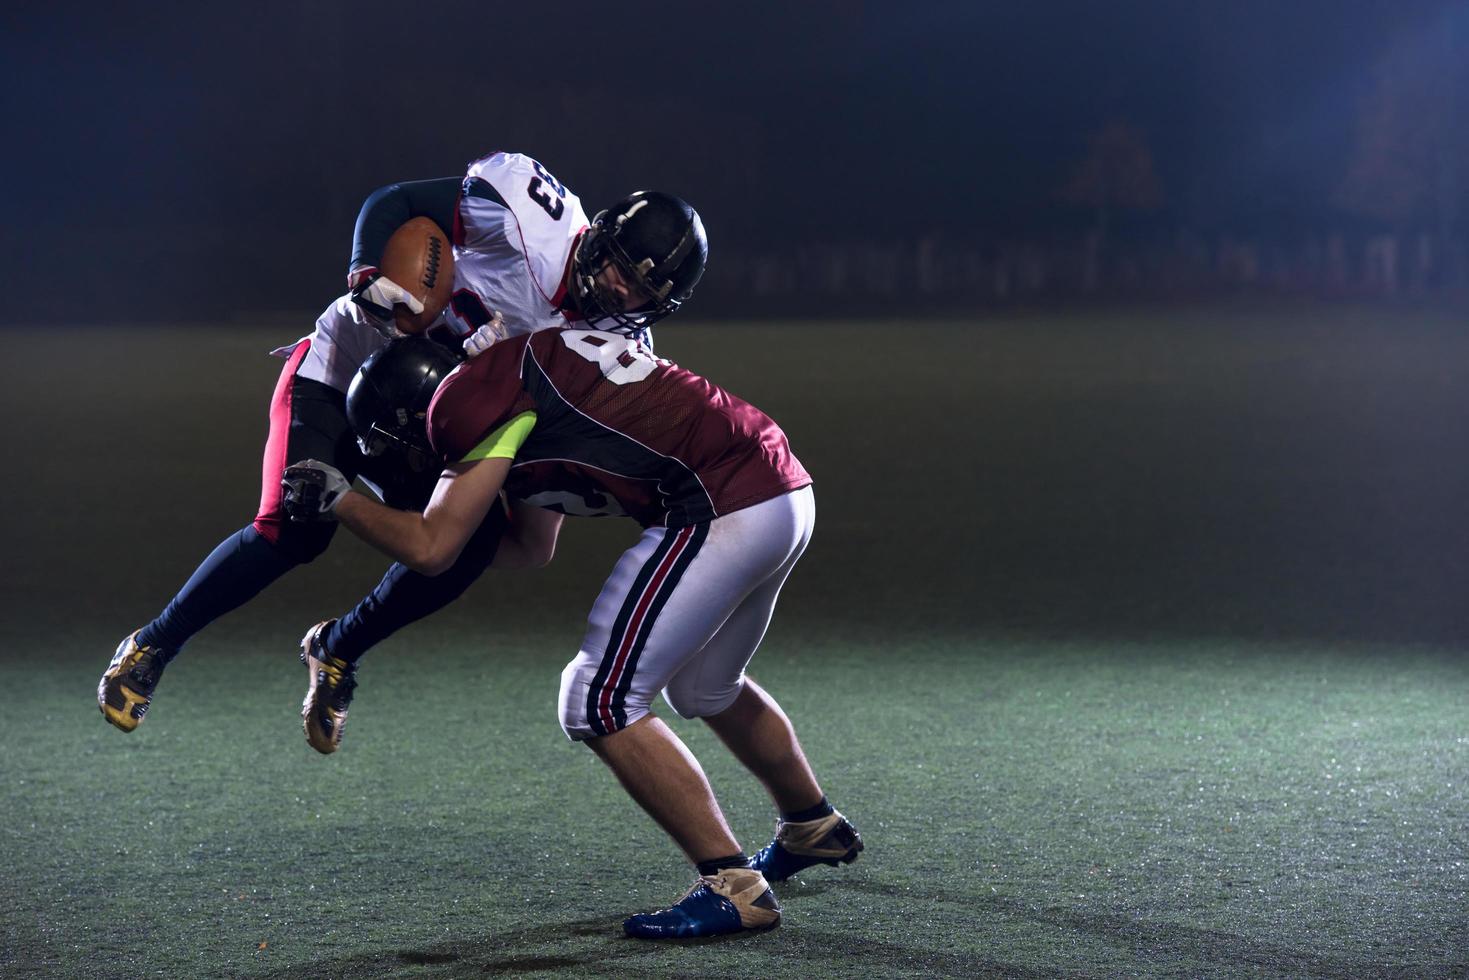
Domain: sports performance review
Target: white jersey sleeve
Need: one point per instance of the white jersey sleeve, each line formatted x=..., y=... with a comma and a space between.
x=513, y=237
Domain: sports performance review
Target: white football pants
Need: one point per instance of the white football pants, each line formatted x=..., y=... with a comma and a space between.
x=339, y=345
x=683, y=612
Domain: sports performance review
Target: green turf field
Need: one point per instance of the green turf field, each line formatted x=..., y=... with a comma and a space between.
x=1134, y=645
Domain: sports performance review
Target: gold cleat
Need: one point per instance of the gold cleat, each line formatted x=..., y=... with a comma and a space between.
x=324, y=712
x=127, y=685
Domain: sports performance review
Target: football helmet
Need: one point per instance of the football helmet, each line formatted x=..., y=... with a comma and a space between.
x=388, y=400
x=657, y=243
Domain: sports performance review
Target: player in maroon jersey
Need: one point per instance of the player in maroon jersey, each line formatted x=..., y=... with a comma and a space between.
x=591, y=423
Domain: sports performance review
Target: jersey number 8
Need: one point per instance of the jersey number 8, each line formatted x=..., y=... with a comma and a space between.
x=621, y=360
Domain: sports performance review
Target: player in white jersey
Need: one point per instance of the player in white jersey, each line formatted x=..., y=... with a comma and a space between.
x=526, y=258
x=513, y=227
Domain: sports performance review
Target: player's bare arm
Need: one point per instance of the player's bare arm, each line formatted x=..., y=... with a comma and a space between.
x=429, y=542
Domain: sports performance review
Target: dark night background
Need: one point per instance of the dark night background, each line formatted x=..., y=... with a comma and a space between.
x=1125, y=341
x=200, y=161
x=1196, y=272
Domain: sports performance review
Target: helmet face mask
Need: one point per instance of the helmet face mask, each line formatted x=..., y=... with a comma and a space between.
x=656, y=243
x=407, y=444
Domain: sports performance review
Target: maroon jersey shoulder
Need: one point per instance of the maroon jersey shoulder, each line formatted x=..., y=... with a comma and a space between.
x=476, y=398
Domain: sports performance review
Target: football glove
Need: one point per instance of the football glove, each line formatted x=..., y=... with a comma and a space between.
x=480, y=341
x=311, y=490
x=373, y=297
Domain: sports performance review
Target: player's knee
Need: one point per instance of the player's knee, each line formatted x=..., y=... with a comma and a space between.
x=572, y=707
x=581, y=720
x=301, y=543
x=691, y=700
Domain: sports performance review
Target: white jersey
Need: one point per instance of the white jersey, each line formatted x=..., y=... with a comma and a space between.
x=513, y=235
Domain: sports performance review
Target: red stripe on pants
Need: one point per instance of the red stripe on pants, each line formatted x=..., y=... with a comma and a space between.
x=634, y=626
x=269, y=518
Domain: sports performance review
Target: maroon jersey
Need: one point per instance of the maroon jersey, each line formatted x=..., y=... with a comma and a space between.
x=618, y=431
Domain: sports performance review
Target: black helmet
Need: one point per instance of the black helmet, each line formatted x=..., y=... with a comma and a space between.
x=657, y=242
x=388, y=399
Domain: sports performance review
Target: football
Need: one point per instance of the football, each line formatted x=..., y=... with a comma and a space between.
x=419, y=259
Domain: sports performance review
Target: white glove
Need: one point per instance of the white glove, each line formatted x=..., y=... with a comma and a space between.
x=480, y=341
x=373, y=297
x=311, y=490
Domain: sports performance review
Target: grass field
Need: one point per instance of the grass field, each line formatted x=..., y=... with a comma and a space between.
x=1134, y=645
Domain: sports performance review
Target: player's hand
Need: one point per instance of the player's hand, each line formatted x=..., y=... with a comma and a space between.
x=311, y=490
x=481, y=340
x=373, y=297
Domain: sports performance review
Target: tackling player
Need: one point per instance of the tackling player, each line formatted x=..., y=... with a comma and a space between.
x=525, y=259
x=589, y=422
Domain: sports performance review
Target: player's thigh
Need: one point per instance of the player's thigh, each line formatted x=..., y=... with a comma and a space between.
x=666, y=599
x=339, y=345
x=600, y=689
x=308, y=420
x=708, y=681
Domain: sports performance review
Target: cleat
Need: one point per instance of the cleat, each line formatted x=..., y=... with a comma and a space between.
x=324, y=712
x=127, y=685
x=735, y=900
x=829, y=840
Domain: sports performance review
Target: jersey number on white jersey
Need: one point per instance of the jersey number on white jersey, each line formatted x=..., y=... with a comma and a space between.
x=554, y=206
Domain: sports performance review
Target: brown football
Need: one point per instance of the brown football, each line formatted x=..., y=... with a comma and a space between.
x=419, y=259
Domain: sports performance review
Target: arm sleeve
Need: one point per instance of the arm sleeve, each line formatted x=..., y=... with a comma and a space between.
x=505, y=441
x=480, y=406
x=388, y=207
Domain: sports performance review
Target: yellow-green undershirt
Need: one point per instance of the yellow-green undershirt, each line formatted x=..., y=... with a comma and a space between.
x=505, y=441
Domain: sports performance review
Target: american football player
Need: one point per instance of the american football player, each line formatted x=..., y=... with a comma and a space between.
x=561, y=421
x=525, y=259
